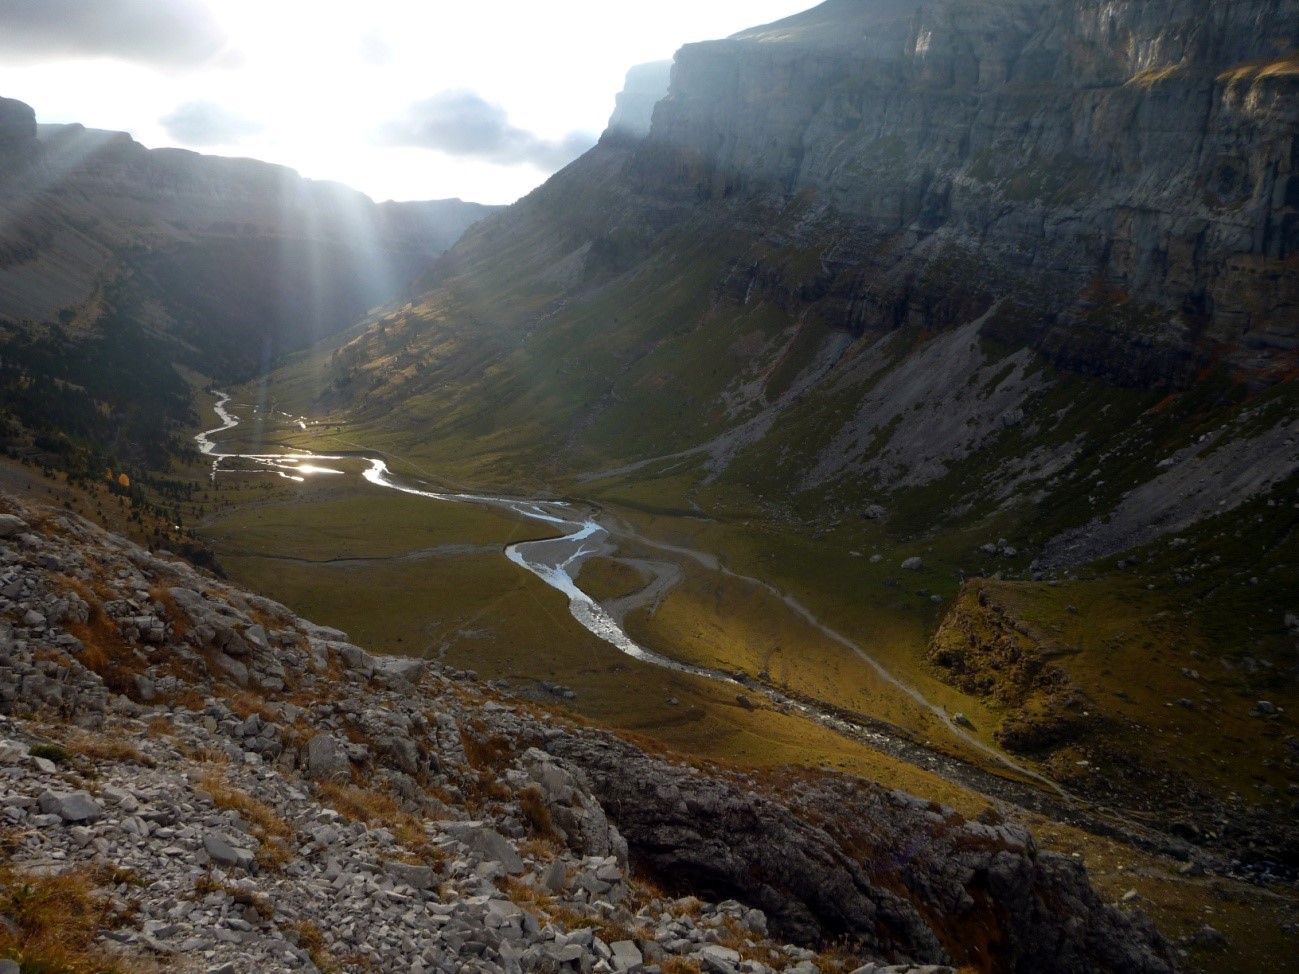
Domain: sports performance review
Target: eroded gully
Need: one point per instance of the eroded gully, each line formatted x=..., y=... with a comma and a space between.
x=581, y=534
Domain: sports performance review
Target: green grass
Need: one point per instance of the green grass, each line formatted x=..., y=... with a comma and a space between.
x=331, y=520
x=604, y=579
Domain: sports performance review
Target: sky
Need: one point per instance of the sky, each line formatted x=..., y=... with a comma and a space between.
x=402, y=99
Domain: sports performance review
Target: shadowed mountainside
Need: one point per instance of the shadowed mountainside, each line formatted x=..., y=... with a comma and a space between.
x=112, y=252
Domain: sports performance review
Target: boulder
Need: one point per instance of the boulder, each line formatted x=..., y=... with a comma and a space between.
x=491, y=845
x=11, y=526
x=76, y=806
x=325, y=759
x=627, y=957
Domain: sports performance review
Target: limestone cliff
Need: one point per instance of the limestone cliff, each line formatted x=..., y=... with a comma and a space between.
x=645, y=86
x=1088, y=158
x=980, y=288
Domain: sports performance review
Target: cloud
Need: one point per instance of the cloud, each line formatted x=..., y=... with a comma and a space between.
x=374, y=50
x=171, y=33
x=462, y=123
x=203, y=123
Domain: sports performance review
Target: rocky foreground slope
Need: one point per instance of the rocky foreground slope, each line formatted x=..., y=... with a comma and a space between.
x=220, y=785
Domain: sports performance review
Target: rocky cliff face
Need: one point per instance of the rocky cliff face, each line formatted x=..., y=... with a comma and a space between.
x=645, y=86
x=17, y=135
x=1135, y=155
x=237, y=785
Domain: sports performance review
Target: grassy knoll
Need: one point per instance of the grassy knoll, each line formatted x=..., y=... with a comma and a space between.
x=1163, y=693
x=604, y=579
x=725, y=623
x=877, y=605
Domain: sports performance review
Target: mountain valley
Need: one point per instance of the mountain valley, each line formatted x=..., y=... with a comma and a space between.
x=908, y=394
x=888, y=414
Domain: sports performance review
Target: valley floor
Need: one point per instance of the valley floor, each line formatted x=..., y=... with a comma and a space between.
x=724, y=620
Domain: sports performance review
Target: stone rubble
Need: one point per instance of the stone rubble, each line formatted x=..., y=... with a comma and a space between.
x=254, y=792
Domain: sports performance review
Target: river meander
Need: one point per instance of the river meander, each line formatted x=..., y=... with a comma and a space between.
x=579, y=535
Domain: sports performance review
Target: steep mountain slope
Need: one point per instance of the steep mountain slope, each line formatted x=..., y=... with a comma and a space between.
x=896, y=297
x=109, y=251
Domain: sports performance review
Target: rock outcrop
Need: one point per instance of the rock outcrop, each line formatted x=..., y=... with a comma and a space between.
x=876, y=867
x=1127, y=170
x=633, y=111
x=318, y=806
x=17, y=136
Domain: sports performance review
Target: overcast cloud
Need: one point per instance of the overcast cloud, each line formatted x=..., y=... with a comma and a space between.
x=310, y=84
x=204, y=123
x=462, y=123
x=173, y=33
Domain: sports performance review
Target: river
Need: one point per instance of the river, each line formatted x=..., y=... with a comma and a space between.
x=579, y=535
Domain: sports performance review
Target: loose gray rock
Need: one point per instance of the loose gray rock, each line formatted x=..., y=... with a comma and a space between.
x=324, y=758
x=555, y=877
x=75, y=806
x=222, y=852
x=490, y=844
x=11, y=525
x=627, y=957
x=417, y=877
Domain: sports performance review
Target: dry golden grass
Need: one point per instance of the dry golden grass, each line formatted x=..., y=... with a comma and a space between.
x=542, y=850
x=537, y=900
x=680, y=965
x=486, y=752
x=93, y=747
x=272, y=831
x=246, y=704
x=643, y=890
x=207, y=883
x=178, y=619
x=53, y=924
x=189, y=698
x=566, y=917
x=312, y=941
x=542, y=904
x=377, y=808
x=611, y=931
x=107, y=653
x=536, y=814
x=837, y=958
